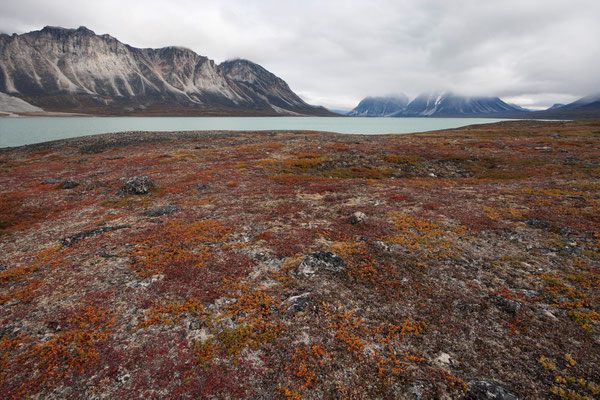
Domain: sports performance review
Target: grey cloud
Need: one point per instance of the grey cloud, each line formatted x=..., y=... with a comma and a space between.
x=535, y=52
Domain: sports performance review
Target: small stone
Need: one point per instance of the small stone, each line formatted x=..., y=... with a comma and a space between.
x=444, y=359
x=321, y=260
x=160, y=211
x=549, y=315
x=538, y=223
x=51, y=181
x=507, y=305
x=196, y=325
x=530, y=294
x=416, y=389
x=69, y=240
x=54, y=326
x=357, y=218
x=483, y=390
x=137, y=185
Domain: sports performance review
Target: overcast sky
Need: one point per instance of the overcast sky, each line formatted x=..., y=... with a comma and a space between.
x=530, y=52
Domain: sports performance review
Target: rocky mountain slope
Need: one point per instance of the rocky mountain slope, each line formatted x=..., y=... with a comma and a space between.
x=76, y=70
x=380, y=106
x=11, y=104
x=437, y=105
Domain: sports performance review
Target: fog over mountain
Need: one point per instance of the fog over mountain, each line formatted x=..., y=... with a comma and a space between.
x=531, y=53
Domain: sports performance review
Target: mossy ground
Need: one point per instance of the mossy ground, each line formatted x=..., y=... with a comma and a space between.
x=479, y=260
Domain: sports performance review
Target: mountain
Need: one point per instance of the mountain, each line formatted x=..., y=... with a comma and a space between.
x=268, y=87
x=434, y=105
x=451, y=105
x=555, y=106
x=75, y=70
x=380, y=106
x=585, y=108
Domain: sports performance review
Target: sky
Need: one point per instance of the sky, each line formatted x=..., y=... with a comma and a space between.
x=533, y=53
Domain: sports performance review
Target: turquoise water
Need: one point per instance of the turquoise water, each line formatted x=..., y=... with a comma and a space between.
x=20, y=131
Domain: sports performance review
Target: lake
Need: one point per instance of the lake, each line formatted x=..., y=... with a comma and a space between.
x=20, y=131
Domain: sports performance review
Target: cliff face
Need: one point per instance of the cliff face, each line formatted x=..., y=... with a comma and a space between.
x=76, y=70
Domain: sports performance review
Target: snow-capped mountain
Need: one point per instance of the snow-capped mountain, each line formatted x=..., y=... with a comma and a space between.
x=380, y=106
x=441, y=105
x=62, y=69
x=451, y=105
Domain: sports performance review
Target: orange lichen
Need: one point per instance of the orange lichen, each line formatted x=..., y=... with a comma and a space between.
x=176, y=242
x=170, y=314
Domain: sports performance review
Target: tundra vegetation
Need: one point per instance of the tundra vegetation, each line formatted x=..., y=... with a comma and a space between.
x=474, y=260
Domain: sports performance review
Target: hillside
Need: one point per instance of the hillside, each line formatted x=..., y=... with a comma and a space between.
x=454, y=264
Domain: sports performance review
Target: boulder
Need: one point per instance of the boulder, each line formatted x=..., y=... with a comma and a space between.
x=321, y=260
x=51, y=181
x=298, y=304
x=357, y=218
x=483, y=390
x=69, y=185
x=538, y=223
x=137, y=185
x=160, y=211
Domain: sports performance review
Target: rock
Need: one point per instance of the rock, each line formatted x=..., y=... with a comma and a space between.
x=69, y=240
x=297, y=304
x=51, y=181
x=416, y=389
x=483, y=390
x=507, y=305
x=137, y=185
x=321, y=260
x=444, y=359
x=164, y=210
x=200, y=187
x=69, y=185
x=548, y=314
x=104, y=254
x=54, y=326
x=357, y=218
x=196, y=325
x=530, y=294
x=144, y=283
x=3, y=267
x=538, y=223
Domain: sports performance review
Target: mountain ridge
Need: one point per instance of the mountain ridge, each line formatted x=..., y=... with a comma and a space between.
x=76, y=70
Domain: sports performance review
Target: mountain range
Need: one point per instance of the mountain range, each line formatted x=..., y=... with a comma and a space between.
x=453, y=105
x=75, y=70
x=433, y=105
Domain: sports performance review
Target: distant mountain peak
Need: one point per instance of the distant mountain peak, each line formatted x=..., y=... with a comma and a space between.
x=380, y=106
